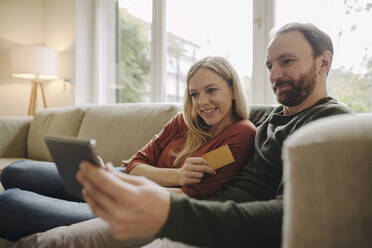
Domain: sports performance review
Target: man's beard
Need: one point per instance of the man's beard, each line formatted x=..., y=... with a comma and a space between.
x=300, y=89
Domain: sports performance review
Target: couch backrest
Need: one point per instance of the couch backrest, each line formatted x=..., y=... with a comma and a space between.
x=122, y=129
x=64, y=121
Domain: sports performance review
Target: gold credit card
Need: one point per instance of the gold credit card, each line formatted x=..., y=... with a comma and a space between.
x=219, y=157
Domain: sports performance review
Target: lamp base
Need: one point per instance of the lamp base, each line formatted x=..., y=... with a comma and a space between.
x=31, y=107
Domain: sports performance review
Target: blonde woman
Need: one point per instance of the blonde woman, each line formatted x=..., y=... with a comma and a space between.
x=215, y=114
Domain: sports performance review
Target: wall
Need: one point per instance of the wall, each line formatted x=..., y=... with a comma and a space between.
x=36, y=22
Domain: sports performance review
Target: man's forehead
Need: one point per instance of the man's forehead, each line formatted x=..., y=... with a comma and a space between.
x=289, y=43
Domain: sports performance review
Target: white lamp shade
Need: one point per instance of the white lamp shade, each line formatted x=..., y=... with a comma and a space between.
x=34, y=62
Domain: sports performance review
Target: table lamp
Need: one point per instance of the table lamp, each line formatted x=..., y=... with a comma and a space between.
x=35, y=63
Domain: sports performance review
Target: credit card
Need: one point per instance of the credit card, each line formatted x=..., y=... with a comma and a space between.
x=219, y=157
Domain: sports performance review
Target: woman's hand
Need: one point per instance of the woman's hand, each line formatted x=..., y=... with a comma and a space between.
x=124, y=201
x=193, y=171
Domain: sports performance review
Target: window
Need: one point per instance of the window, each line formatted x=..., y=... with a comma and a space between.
x=134, y=51
x=348, y=23
x=196, y=29
x=205, y=32
x=237, y=30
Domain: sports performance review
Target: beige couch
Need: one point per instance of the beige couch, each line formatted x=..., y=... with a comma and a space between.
x=120, y=130
x=327, y=164
x=328, y=184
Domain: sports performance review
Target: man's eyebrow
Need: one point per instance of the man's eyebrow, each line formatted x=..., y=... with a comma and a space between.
x=285, y=55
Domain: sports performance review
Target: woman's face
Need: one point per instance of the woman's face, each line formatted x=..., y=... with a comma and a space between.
x=212, y=99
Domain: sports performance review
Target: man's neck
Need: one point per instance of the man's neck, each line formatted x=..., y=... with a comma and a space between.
x=288, y=110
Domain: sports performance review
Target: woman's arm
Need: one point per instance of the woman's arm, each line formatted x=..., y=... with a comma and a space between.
x=240, y=138
x=162, y=176
x=191, y=172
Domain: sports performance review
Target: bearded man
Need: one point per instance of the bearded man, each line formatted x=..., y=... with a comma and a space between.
x=299, y=57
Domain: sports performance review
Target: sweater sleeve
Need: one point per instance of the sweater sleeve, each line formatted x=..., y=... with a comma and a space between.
x=240, y=141
x=150, y=153
x=224, y=224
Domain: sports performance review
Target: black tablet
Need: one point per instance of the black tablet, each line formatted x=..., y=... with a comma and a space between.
x=68, y=153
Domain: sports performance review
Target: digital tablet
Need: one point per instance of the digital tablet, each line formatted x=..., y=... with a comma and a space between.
x=68, y=153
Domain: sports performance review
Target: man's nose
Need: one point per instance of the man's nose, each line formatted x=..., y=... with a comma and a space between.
x=275, y=74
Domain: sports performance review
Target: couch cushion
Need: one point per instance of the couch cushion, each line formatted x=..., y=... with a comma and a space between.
x=122, y=129
x=328, y=186
x=58, y=121
x=14, y=132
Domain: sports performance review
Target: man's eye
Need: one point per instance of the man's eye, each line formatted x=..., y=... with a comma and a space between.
x=287, y=62
x=211, y=90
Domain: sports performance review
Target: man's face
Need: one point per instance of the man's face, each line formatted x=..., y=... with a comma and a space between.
x=292, y=68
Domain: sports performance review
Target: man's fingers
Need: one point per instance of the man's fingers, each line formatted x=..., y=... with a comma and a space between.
x=135, y=180
x=95, y=193
x=96, y=207
x=104, y=180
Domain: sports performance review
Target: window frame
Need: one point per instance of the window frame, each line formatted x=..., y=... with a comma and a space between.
x=106, y=64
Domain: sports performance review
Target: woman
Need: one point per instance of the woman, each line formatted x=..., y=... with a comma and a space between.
x=215, y=114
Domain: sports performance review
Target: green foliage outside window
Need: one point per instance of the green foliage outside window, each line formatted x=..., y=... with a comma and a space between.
x=352, y=89
x=134, y=79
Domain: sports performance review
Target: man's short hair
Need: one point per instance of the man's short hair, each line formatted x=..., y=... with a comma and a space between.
x=319, y=41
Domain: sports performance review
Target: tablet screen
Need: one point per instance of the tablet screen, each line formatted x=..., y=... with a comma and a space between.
x=67, y=154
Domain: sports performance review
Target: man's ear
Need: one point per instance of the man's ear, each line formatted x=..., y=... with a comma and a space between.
x=326, y=61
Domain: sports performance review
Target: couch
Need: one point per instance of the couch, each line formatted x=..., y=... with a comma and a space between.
x=327, y=164
x=120, y=129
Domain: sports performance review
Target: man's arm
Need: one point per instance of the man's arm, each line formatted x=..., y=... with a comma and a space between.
x=227, y=224
x=136, y=207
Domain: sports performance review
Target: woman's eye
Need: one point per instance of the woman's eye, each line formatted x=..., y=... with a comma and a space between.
x=211, y=90
x=193, y=94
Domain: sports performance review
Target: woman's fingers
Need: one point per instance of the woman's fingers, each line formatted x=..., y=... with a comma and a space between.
x=200, y=168
x=194, y=174
x=206, y=169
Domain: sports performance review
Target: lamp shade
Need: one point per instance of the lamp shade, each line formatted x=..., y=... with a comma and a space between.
x=34, y=62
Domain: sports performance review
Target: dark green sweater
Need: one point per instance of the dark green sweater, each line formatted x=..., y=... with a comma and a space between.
x=253, y=215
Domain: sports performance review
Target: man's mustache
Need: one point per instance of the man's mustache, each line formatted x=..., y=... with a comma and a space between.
x=277, y=84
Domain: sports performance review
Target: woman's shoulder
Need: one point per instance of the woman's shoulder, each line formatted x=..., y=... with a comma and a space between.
x=242, y=129
x=177, y=122
x=243, y=125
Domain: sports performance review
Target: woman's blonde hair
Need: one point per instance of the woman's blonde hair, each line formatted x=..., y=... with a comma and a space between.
x=199, y=131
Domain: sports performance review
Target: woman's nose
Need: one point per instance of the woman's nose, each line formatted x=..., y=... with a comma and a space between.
x=203, y=99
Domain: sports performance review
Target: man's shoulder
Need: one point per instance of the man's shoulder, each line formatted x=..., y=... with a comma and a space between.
x=259, y=112
x=327, y=107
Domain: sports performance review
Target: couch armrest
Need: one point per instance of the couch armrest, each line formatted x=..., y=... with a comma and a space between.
x=13, y=132
x=328, y=185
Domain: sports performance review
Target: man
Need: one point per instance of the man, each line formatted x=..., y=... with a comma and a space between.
x=299, y=57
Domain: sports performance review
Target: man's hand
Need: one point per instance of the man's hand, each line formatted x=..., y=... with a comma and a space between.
x=193, y=171
x=135, y=207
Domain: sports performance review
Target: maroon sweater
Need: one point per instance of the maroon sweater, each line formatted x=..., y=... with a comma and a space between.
x=159, y=152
